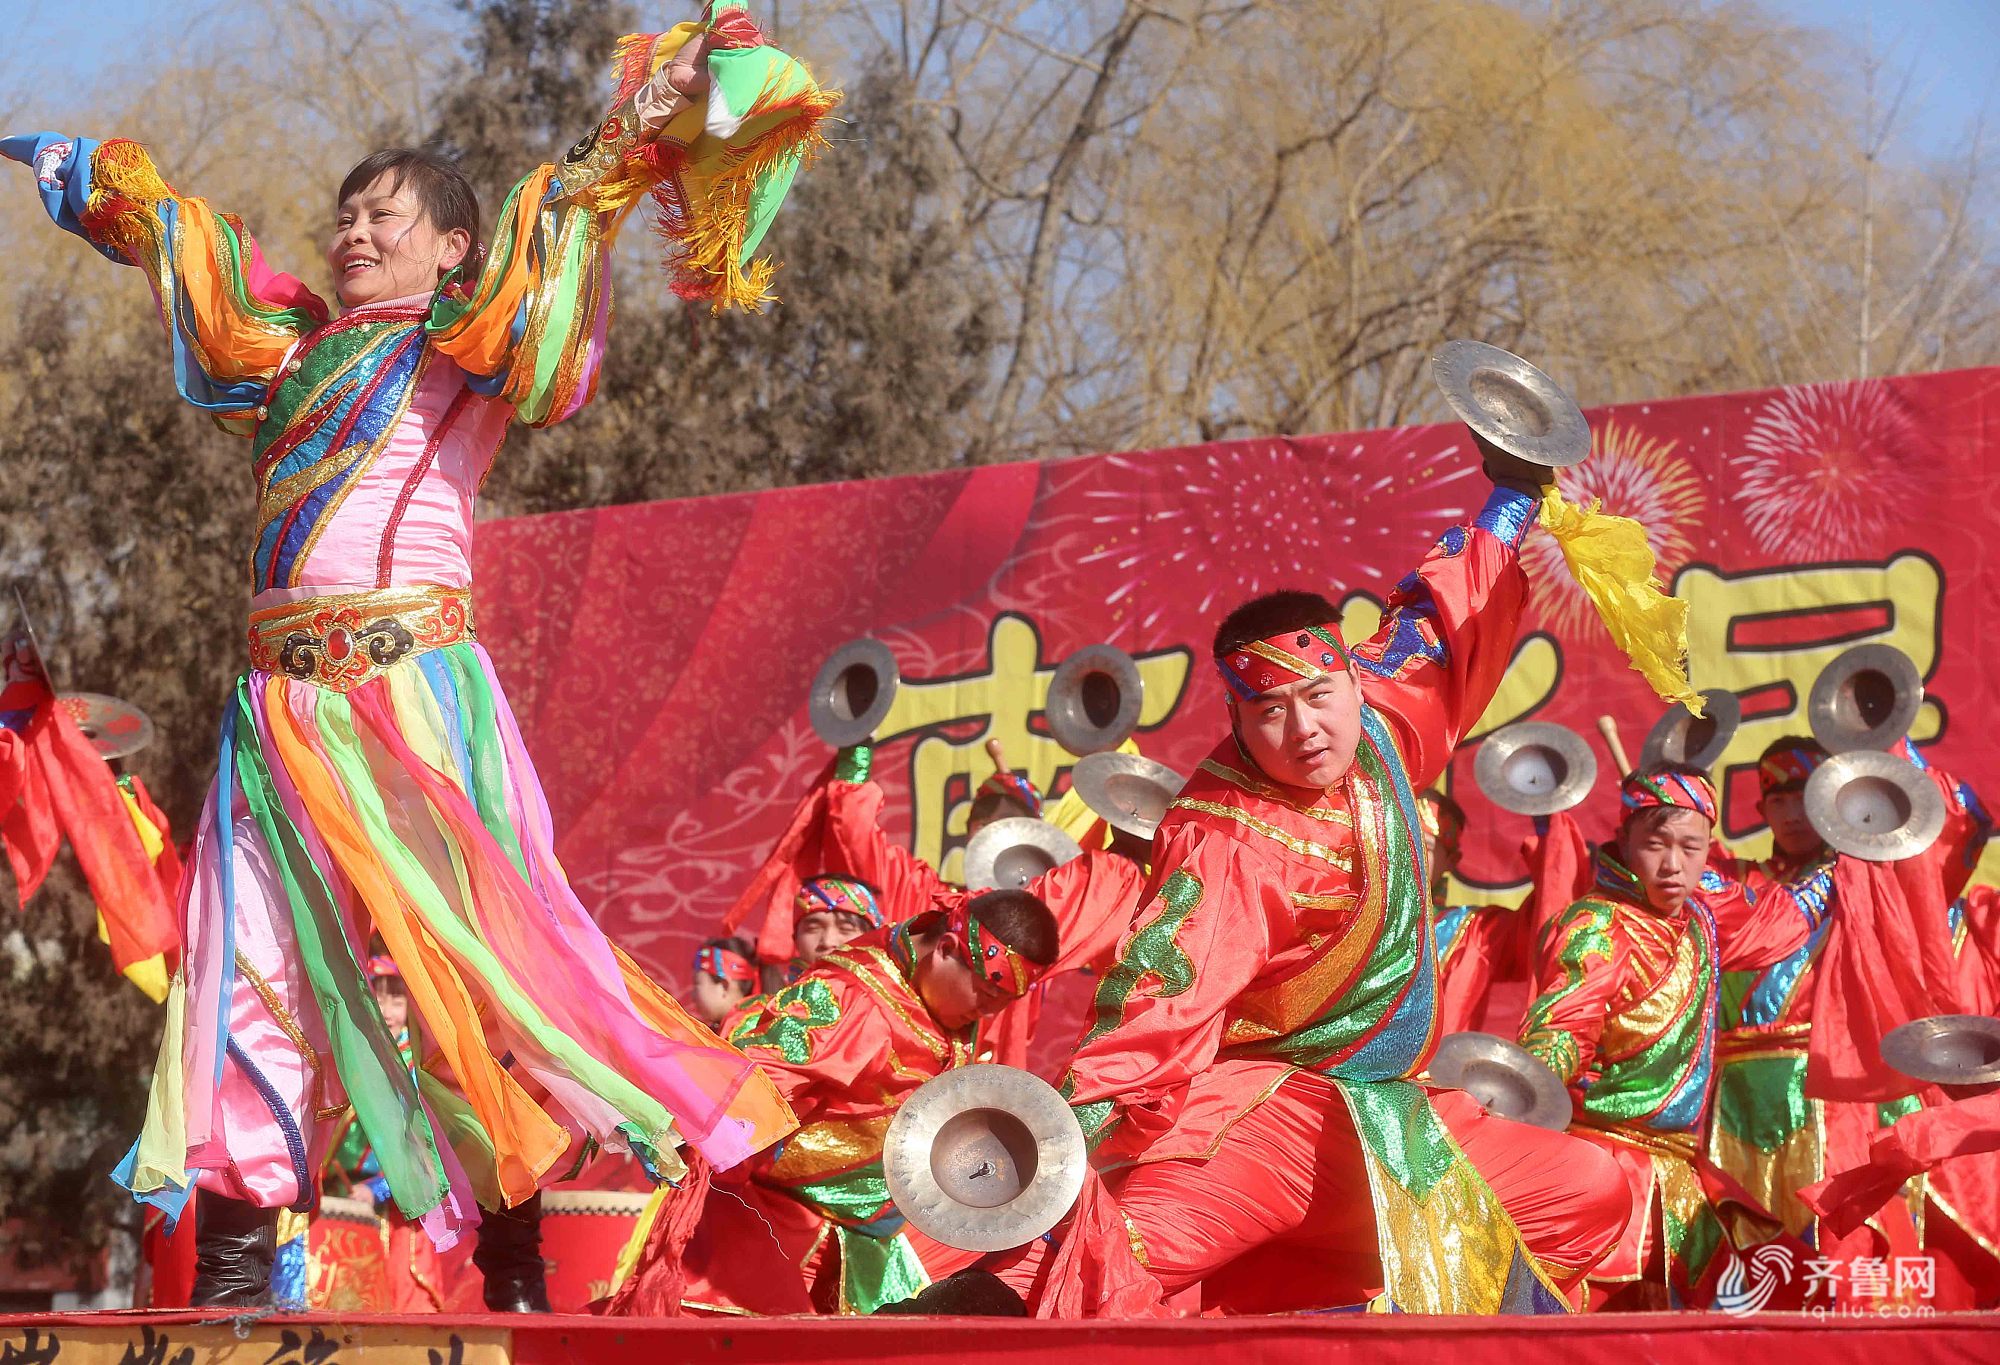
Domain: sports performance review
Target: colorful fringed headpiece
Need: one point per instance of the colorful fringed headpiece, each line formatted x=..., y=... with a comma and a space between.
x=1258, y=667
x=843, y=895
x=726, y=163
x=1684, y=791
x=1015, y=787
x=381, y=965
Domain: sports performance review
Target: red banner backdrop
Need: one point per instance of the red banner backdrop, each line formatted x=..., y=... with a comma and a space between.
x=659, y=655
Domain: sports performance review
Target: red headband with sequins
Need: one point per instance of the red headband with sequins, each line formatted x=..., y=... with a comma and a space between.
x=1258, y=667
x=997, y=962
x=1788, y=769
x=724, y=964
x=1680, y=790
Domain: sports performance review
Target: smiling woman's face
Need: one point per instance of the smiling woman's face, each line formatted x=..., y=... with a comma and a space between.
x=1302, y=734
x=384, y=246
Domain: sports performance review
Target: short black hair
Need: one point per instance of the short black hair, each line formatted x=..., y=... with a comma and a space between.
x=1020, y=920
x=740, y=947
x=447, y=197
x=1262, y=617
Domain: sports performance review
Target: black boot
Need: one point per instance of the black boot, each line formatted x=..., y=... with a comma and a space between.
x=509, y=1255
x=233, y=1246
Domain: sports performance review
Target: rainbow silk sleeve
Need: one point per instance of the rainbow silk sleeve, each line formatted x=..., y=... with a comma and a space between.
x=229, y=316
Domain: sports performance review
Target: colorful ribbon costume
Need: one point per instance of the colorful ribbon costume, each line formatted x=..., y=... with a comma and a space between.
x=372, y=775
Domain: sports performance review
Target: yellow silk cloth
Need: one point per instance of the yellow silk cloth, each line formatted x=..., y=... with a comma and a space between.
x=1613, y=563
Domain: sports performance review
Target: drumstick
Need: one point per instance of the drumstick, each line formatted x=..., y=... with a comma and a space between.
x=1609, y=729
x=998, y=755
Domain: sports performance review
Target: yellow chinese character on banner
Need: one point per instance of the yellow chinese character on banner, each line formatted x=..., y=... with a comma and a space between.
x=955, y=717
x=1766, y=635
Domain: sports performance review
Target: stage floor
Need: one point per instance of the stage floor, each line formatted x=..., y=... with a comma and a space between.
x=187, y=1338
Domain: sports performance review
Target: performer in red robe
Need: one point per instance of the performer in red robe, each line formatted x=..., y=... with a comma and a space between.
x=1626, y=1015
x=808, y=1226
x=1246, y=1083
x=1771, y=1131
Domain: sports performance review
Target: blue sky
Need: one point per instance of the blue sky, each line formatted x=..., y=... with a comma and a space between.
x=1948, y=46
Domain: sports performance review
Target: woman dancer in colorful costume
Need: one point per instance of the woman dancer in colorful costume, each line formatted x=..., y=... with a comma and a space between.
x=1628, y=983
x=372, y=776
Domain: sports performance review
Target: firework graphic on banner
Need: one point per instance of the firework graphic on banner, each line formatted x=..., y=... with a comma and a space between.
x=1827, y=470
x=1633, y=475
x=1253, y=517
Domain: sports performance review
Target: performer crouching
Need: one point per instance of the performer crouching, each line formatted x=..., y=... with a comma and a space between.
x=1246, y=1082
x=809, y=1227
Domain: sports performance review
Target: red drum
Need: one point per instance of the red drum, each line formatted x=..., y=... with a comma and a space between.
x=347, y=1261
x=582, y=1233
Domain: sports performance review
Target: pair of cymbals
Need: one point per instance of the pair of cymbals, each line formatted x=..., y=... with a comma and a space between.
x=1535, y=767
x=1093, y=702
x=984, y=1158
x=1874, y=806
x=1508, y=1080
x=1680, y=736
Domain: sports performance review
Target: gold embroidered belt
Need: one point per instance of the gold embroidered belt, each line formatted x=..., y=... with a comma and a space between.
x=342, y=642
x=1769, y=1040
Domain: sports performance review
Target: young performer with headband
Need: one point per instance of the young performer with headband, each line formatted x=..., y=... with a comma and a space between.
x=372, y=777
x=1626, y=1016
x=1247, y=1082
x=808, y=1227
x=725, y=975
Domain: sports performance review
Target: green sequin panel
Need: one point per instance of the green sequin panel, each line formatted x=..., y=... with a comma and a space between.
x=1152, y=955
x=786, y=1025
x=1762, y=1101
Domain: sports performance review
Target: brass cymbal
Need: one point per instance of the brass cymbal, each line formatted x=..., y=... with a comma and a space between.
x=114, y=728
x=1535, y=767
x=1011, y=853
x=1874, y=806
x=1508, y=1080
x=984, y=1158
x=1946, y=1049
x=852, y=692
x=1866, y=699
x=1131, y=793
x=1680, y=737
x=1510, y=404
x=1094, y=699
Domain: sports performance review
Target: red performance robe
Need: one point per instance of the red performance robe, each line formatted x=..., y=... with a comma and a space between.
x=836, y=830
x=808, y=1227
x=1626, y=1014
x=1776, y=1133
x=1245, y=1083
x=1486, y=953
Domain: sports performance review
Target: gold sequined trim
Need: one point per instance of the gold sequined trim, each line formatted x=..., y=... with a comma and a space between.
x=1305, y=848
x=289, y=1026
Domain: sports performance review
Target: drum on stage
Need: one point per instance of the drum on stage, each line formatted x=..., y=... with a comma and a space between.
x=582, y=1233
x=347, y=1258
